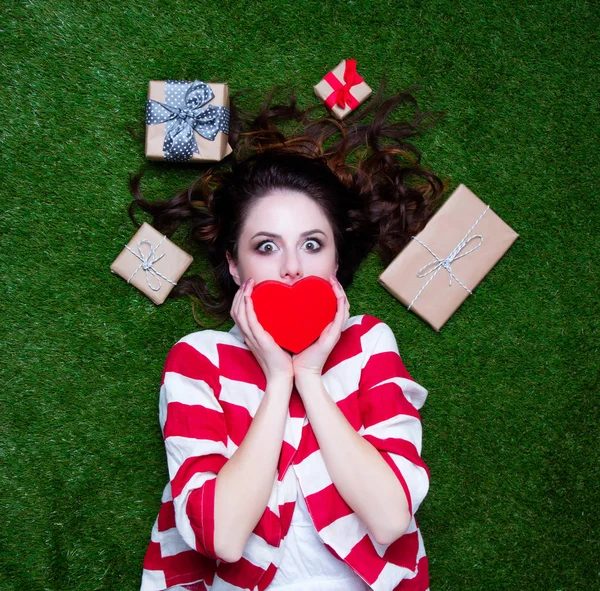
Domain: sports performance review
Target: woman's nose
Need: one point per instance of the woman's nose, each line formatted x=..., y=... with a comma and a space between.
x=291, y=269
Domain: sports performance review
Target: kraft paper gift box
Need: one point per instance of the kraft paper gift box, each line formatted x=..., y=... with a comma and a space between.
x=187, y=121
x=442, y=265
x=152, y=263
x=343, y=89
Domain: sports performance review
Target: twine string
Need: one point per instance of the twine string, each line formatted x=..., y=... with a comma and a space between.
x=446, y=263
x=148, y=261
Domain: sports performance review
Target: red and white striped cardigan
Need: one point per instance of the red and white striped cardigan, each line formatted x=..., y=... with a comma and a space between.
x=211, y=388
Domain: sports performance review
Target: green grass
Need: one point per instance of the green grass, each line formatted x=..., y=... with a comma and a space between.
x=510, y=425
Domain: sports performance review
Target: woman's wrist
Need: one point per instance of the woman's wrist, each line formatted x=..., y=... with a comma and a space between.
x=307, y=379
x=280, y=382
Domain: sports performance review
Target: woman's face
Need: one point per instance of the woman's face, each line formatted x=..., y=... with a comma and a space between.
x=285, y=237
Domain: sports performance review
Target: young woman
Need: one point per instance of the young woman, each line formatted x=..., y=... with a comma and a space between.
x=294, y=472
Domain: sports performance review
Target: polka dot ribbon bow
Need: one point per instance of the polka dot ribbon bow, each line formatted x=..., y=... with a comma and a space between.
x=184, y=112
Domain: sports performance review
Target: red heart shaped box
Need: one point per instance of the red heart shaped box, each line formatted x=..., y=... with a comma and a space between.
x=295, y=315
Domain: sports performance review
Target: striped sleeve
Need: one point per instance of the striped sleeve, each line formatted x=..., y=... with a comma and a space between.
x=195, y=435
x=389, y=400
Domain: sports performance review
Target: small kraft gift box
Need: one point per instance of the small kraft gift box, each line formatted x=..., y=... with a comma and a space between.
x=152, y=263
x=444, y=263
x=343, y=89
x=187, y=121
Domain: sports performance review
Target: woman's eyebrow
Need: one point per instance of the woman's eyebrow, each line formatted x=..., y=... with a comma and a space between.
x=271, y=235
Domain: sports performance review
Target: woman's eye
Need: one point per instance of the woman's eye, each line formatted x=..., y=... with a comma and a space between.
x=314, y=241
x=266, y=242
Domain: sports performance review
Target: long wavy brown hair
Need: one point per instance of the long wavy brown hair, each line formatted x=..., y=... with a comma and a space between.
x=363, y=171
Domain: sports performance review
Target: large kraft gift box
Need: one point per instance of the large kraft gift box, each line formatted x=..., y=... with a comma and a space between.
x=187, y=121
x=152, y=263
x=442, y=264
x=343, y=89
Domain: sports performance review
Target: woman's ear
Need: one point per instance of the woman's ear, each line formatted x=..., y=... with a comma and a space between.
x=233, y=270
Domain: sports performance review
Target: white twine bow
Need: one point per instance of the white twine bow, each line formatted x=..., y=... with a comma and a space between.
x=148, y=261
x=447, y=262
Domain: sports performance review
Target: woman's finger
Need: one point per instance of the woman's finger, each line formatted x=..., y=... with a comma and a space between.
x=240, y=294
x=241, y=319
x=339, y=317
x=239, y=300
x=235, y=304
x=249, y=313
x=331, y=332
x=335, y=284
x=346, y=303
x=242, y=310
x=252, y=320
x=260, y=334
x=338, y=289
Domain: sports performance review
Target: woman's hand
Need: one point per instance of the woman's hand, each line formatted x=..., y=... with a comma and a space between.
x=274, y=361
x=313, y=358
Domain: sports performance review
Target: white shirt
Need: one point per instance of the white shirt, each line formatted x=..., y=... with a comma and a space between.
x=306, y=564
